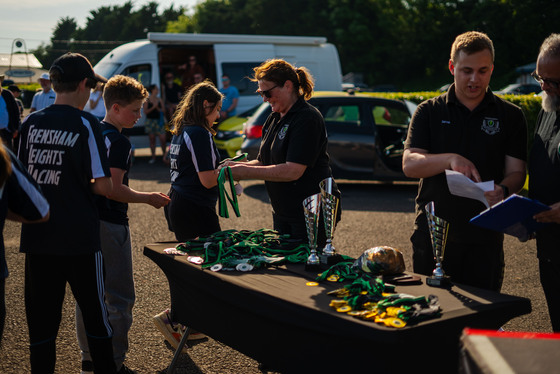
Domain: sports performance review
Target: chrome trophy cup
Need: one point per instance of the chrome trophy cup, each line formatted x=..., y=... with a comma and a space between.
x=311, y=210
x=329, y=204
x=438, y=233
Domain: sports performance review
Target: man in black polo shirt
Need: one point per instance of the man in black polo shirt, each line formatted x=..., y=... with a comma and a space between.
x=544, y=173
x=472, y=131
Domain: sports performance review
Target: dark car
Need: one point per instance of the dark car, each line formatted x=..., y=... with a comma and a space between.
x=366, y=134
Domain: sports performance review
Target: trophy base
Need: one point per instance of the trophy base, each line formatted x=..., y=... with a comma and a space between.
x=443, y=282
x=313, y=267
x=328, y=261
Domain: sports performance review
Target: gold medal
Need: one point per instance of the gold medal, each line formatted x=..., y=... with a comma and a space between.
x=344, y=309
x=338, y=303
x=333, y=278
x=398, y=323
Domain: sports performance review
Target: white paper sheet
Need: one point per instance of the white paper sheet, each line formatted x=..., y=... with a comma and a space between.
x=460, y=185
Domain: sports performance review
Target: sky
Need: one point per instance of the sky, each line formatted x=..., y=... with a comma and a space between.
x=34, y=20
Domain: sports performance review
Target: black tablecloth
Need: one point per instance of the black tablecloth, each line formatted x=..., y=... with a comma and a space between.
x=272, y=316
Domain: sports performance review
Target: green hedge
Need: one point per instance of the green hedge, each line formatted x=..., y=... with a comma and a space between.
x=530, y=104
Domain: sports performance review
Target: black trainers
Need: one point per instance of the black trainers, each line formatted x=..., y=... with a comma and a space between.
x=126, y=370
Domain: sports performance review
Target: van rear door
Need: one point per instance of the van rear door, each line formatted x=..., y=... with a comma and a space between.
x=237, y=61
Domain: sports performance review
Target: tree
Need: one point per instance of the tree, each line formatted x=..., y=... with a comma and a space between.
x=106, y=27
x=400, y=42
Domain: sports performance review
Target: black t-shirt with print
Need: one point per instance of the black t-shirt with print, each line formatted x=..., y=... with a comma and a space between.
x=191, y=152
x=63, y=150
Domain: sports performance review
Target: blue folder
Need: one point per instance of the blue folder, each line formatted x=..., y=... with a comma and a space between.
x=513, y=216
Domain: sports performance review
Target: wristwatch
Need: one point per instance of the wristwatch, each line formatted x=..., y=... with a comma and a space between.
x=506, y=190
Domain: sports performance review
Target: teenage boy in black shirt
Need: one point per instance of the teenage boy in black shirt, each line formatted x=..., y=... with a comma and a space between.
x=63, y=150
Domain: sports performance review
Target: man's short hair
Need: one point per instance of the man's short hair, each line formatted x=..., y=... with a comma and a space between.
x=551, y=46
x=123, y=90
x=69, y=70
x=471, y=42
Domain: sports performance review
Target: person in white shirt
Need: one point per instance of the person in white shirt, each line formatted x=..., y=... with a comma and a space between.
x=95, y=104
x=44, y=98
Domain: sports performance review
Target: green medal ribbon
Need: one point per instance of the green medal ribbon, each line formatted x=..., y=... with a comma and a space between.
x=223, y=176
x=258, y=248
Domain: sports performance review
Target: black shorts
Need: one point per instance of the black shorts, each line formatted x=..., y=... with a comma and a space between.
x=189, y=220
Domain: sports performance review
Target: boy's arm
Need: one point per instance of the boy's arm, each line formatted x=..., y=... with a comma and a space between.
x=102, y=186
x=125, y=194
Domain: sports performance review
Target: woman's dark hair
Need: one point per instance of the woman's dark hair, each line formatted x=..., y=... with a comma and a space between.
x=191, y=110
x=280, y=71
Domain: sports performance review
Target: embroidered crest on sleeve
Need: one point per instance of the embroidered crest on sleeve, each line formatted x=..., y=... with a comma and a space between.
x=491, y=126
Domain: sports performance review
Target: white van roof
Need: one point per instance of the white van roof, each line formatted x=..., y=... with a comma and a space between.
x=169, y=38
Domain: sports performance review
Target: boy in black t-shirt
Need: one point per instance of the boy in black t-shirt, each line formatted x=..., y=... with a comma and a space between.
x=63, y=150
x=123, y=97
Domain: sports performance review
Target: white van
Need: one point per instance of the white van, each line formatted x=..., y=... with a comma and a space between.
x=234, y=55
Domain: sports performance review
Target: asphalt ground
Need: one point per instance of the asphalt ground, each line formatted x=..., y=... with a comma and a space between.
x=373, y=214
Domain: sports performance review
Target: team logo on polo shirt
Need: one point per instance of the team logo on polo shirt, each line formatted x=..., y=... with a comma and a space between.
x=283, y=131
x=491, y=126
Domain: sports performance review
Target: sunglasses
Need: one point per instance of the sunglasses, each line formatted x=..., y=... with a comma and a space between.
x=266, y=93
x=552, y=83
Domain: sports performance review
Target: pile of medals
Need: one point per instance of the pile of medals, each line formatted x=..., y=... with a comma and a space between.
x=370, y=299
x=244, y=250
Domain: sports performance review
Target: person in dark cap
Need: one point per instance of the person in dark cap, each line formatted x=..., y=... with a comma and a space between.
x=9, y=116
x=17, y=93
x=62, y=148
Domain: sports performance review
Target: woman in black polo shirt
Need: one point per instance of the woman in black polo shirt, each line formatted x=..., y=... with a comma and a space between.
x=293, y=157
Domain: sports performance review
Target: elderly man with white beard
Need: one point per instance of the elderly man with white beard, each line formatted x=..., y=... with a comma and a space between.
x=544, y=173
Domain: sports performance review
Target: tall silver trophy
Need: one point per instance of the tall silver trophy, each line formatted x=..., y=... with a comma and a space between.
x=438, y=233
x=311, y=210
x=329, y=204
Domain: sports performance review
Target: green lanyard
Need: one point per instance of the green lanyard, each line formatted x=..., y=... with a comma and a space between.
x=258, y=248
x=223, y=176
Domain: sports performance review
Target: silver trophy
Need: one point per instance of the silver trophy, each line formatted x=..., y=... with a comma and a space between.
x=438, y=233
x=329, y=203
x=311, y=210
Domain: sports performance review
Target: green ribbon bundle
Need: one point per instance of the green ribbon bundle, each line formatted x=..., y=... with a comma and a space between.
x=223, y=177
x=368, y=297
x=257, y=248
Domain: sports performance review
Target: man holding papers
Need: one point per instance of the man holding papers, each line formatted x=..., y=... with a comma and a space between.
x=471, y=131
x=544, y=173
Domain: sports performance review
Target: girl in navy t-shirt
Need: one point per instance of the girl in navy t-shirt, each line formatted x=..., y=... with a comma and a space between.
x=194, y=159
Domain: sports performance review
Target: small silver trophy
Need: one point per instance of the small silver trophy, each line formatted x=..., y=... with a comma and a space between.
x=438, y=232
x=329, y=203
x=311, y=210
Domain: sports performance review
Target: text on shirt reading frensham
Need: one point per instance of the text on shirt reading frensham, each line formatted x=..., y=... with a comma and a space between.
x=38, y=156
x=174, y=151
